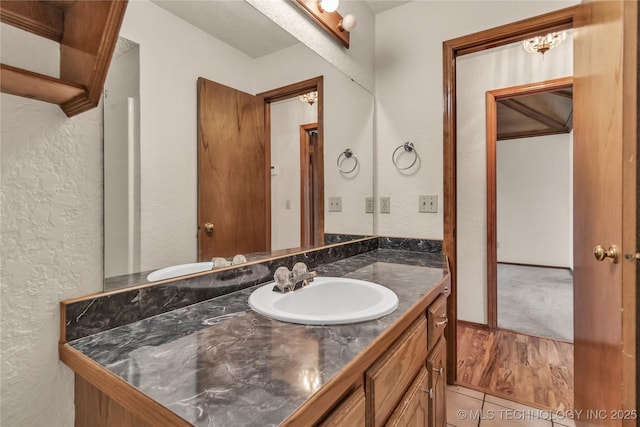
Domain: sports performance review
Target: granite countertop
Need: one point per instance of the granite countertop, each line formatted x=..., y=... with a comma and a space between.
x=218, y=363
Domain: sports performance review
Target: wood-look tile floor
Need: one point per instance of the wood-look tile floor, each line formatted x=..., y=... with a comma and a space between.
x=522, y=368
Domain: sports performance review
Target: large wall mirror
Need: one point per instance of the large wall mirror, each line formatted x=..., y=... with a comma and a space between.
x=151, y=141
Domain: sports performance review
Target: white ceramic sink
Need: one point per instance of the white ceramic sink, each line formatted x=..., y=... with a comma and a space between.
x=179, y=270
x=325, y=301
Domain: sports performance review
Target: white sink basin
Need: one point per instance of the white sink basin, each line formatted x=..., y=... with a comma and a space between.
x=325, y=301
x=179, y=270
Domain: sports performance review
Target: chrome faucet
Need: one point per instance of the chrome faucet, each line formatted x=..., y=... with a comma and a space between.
x=289, y=281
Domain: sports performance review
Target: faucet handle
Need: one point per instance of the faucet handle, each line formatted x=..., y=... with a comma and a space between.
x=282, y=277
x=299, y=268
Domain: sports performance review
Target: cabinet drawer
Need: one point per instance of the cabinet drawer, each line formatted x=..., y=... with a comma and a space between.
x=350, y=413
x=387, y=380
x=437, y=317
x=412, y=410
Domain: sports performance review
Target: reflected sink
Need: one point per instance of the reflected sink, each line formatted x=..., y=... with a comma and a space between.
x=179, y=270
x=325, y=301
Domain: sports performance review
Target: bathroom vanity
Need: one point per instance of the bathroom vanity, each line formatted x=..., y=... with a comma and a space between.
x=217, y=362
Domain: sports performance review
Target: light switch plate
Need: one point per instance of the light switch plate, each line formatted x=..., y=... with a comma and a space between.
x=368, y=205
x=385, y=205
x=335, y=204
x=428, y=204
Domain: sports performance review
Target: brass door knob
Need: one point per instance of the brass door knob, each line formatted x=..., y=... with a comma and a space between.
x=208, y=227
x=601, y=253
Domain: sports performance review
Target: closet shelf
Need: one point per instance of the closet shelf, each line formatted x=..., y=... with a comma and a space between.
x=87, y=32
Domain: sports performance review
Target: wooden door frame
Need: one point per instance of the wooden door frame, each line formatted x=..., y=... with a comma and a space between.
x=280, y=94
x=492, y=98
x=451, y=49
x=304, y=185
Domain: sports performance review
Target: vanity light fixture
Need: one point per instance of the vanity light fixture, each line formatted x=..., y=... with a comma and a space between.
x=328, y=5
x=348, y=23
x=542, y=44
x=309, y=98
x=324, y=13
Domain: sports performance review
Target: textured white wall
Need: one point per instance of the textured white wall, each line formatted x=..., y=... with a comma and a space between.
x=409, y=107
x=51, y=239
x=357, y=62
x=286, y=118
x=534, y=200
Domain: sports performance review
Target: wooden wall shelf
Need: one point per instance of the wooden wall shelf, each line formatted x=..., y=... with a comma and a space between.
x=87, y=32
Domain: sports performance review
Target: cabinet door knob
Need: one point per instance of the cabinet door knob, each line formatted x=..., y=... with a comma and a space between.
x=443, y=322
x=439, y=371
x=430, y=391
x=208, y=227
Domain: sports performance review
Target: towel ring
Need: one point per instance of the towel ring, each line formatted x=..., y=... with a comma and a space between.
x=408, y=147
x=347, y=154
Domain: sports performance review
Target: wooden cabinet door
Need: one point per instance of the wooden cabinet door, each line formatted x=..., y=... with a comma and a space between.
x=412, y=410
x=437, y=367
x=387, y=380
x=350, y=413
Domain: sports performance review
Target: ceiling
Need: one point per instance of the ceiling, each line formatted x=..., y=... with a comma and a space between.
x=543, y=113
x=378, y=6
x=236, y=23
x=243, y=27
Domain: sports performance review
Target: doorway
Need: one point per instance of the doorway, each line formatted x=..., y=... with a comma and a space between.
x=297, y=213
x=530, y=208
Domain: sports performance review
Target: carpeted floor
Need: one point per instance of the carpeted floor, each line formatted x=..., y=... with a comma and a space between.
x=536, y=301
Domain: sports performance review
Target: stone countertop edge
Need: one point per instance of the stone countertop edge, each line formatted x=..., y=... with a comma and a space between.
x=219, y=362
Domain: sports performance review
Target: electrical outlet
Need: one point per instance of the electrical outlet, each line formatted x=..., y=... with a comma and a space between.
x=335, y=204
x=368, y=205
x=385, y=205
x=428, y=204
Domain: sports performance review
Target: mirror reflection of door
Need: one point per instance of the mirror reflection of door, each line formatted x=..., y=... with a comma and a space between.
x=260, y=169
x=310, y=189
x=533, y=231
x=232, y=196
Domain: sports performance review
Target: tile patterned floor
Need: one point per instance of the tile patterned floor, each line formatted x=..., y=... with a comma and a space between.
x=471, y=408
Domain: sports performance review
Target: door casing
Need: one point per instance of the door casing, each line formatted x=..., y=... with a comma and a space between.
x=492, y=98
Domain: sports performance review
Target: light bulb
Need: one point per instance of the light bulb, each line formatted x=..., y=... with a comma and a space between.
x=348, y=23
x=328, y=5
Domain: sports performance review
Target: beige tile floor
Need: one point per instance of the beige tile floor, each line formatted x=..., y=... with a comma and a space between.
x=471, y=408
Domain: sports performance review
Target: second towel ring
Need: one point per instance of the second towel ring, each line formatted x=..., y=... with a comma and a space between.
x=347, y=154
x=408, y=147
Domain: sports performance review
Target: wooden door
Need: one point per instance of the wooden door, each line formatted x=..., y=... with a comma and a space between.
x=309, y=185
x=232, y=178
x=605, y=170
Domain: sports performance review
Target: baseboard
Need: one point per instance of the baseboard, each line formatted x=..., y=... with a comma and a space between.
x=536, y=265
x=473, y=325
